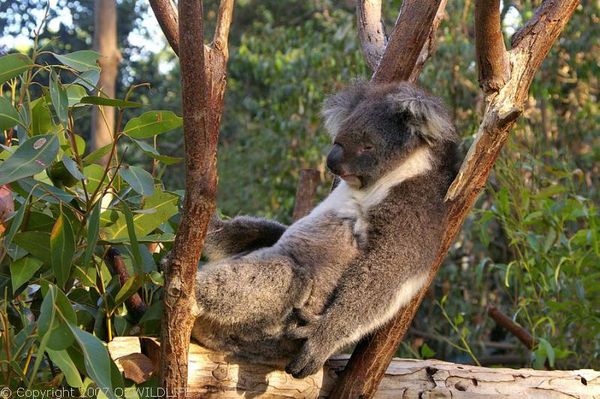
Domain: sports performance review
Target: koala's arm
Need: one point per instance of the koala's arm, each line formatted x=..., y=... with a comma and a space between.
x=240, y=234
x=369, y=294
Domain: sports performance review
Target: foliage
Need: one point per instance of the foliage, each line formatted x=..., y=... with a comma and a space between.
x=62, y=300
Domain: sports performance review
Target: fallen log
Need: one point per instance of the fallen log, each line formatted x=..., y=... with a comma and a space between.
x=219, y=375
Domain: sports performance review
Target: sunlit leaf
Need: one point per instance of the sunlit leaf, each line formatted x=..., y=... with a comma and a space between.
x=41, y=117
x=12, y=65
x=9, y=117
x=152, y=123
x=164, y=204
x=81, y=61
x=75, y=94
x=33, y=156
x=128, y=289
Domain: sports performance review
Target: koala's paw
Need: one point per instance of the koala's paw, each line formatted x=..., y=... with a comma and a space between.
x=304, y=325
x=308, y=362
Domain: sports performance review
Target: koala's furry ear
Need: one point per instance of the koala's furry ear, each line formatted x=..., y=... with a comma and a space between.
x=338, y=107
x=426, y=115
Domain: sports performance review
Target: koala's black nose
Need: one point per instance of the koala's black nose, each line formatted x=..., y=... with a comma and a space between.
x=334, y=158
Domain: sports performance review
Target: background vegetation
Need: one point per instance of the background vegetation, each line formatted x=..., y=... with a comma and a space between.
x=530, y=247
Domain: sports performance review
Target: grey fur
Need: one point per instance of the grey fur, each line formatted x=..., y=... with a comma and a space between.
x=339, y=273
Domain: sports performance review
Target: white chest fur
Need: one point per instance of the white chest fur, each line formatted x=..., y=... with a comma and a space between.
x=349, y=202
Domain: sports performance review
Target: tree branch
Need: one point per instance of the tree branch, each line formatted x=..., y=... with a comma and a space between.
x=198, y=206
x=506, y=322
x=134, y=304
x=166, y=14
x=372, y=355
x=305, y=192
x=371, y=31
x=492, y=57
x=410, y=33
x=429, y=46
x=222, y=30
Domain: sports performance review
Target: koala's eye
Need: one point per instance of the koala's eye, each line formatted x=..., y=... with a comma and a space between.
x=368, y=147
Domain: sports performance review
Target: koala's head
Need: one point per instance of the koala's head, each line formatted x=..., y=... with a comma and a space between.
x=377, y=126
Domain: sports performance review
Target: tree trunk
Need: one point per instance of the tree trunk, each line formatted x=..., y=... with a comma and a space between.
x=105, y=42
x=218, y=375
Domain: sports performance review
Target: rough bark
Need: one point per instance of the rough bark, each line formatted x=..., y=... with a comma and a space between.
x=369, y=361
x=371, y=31
x=305, y=192
x=134, y=304
x=105, y=42
x=406, y=41
x=203, y=78
x=217, y=375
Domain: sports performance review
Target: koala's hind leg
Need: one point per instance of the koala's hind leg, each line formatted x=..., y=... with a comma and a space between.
x=238, y=235
x=251, y=289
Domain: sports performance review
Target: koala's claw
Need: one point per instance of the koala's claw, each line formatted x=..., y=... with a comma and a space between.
x=305, y=364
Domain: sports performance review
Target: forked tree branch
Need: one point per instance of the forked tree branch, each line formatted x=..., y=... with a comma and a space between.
x=203, y=78
x=371, y=31
x=530, y=46
x=166, y=15
x=492, y=57
x=410, y=33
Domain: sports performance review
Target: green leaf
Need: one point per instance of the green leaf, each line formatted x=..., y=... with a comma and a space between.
x=12, y=65
x=37, y=243
x=427, y=352
x=41, y=117
x=9, y=117
x=96, y=360
x=33, y=156
x=135, y=249
x=75, y=94
x=62, y=248
x=55, y=314
x=152, y=152
x=88, y=79
x=72, y=167
x=22, y=270
x=128, y=289
x=80, y=61
x=38, y=189
x=548, y=350
x=110, y=102
x=15, y=223
x=158, y=208
x=97, y=154
x=62, y=359
x=140, y=181
x=151, y=124
x=93, y=230
x=59, y=98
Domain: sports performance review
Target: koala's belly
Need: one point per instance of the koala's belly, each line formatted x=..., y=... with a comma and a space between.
x=324, y=246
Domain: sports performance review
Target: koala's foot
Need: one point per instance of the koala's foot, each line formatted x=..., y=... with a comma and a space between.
x=309, y=361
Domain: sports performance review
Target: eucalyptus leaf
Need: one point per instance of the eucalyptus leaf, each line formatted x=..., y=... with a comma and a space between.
x=33, y=156
x=38, y=189
x=110, y=102
x=140, y=181
x=37, y=243
x=60, y=100
x=93, y=230
x=151, y=124
x=62, y=248
x=80, y=61
x=72, y=167
x=22, y=270
x=12, y=65
x=9, y=117
x=62, y=359
x=55, y=314
x=153, y=152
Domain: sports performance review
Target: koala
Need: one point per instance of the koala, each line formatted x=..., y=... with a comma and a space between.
x=306, y=291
